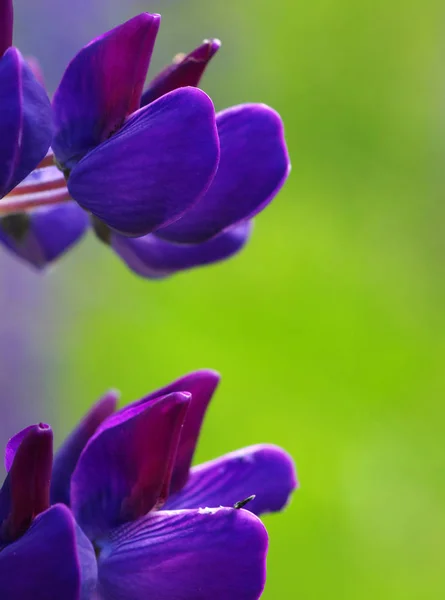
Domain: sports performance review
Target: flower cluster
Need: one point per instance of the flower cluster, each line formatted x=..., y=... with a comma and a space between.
x=162, y=179
x=119, y=514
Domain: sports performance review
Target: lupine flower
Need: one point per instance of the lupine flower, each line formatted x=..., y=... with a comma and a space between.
x=44, y=555
x=26, y=127
x=169, y=184
x=147, y=525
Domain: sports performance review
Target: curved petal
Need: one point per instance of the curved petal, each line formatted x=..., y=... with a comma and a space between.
x=265, y=471
x=66, y=457
x=42, y=235
x=125, y=469
x=201, y=386
x=6, y=24
x=151, y=257
x=186, y=555
x=25, y=121
x=155, y=168
x=101, y=87
x=185, y=70
x=51, y=561
x=25, y=492
x=254, y=165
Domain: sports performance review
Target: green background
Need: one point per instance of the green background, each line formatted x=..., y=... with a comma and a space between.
x=329, y=329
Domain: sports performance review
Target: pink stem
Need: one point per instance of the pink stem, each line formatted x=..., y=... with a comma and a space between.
x=16, y=204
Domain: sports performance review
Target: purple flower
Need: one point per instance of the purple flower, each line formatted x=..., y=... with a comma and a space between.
x=169, y=184
x=122, y=484
x=26, y=128
x=136, y=169
x=253, y=166
x=44, y=555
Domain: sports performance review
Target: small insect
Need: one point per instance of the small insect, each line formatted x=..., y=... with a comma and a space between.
x=243, y=503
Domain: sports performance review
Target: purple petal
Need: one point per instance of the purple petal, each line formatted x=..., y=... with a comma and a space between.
x=155, y=168
x=52, y=561
x=25, y=492
x=265, y=471
x=26, y=121
x=66, y=457
x=185, y=555
x=201, y=385
x=254, y=165
x=42, y=235
x=6, y=24
x=125, y=469
x=101, y=87
x=151, y=257
x=185, y=70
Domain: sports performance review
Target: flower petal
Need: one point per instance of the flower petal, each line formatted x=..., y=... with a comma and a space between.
x=186, y=70
x=6, y=25
x=151, y=257
x=51, y=561
x=201, y=386
x=101, y=87
x=125, y=469
x=185, y=555
x=254, y=165
x=155, y=168
x=42, y=235
x=25, y=492
x=25, y=123
x=66, y=457
x=265, y=471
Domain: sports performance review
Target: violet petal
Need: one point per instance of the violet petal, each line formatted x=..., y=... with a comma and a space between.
x=26, y=121
x=52, y=561
x=187, y=70
x=151, y=257
x=66, y=457
x=187, y=555
x=265, y=471
x=42, y=235
x=253, y=166
x=25, y=492
x=125, y=469
x=155, y=168
x=101, y=87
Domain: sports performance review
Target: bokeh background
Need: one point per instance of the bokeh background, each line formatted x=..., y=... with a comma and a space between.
x=329, y=329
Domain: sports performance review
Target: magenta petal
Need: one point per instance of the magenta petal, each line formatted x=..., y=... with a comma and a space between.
x=216, y=554
x=125, y=469
x=52, y=561
x=26, y=121
x=201, y=385
x=155, y=168
x=253, y=166
x=186, y=70
x=265, y=471
x=101, y=87
x=66, y=457
x=151, y=257
x=6, y=24
x=25, y=492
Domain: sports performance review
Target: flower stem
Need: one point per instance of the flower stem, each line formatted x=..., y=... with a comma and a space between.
x=16, y=204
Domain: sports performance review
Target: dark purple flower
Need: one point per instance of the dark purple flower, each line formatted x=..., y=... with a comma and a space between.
x=25, y=120
x=169, y=184
x=134, y=169
x=42, y=234
x=160, y=529
x=44, y=555
x=253, y=166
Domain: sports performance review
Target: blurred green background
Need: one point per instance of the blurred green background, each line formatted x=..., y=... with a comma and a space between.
x=329, y=329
